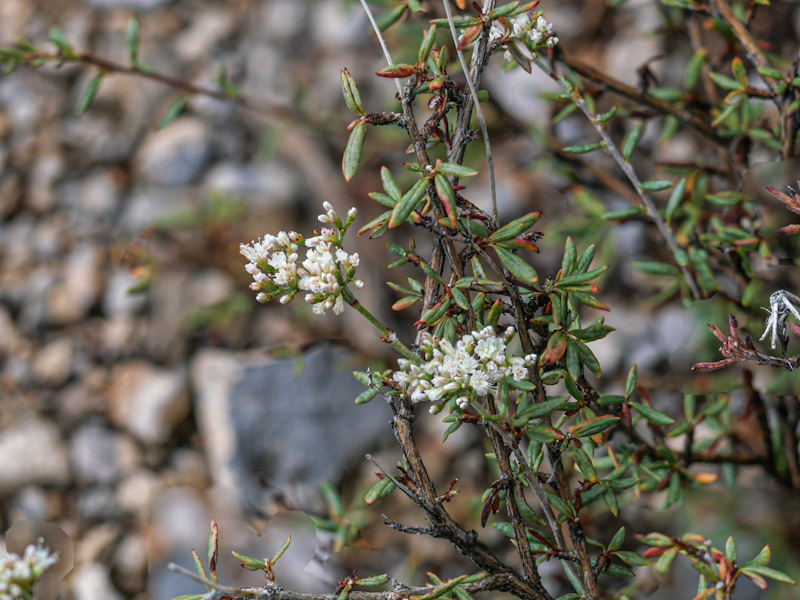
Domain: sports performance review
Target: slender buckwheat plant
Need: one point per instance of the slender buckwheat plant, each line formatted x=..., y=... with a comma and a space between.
x=503, y=344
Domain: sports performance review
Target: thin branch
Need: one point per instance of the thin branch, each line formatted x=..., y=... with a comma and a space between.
x=684, y=115
x=382, y=42
x=652, y=211
x=478, y=111
x=272, y=110
x=486, y=584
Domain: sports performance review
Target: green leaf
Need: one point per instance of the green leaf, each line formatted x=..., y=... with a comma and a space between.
x=284, y=547
x=664, y=562
x=618, y=571
x=133, y=41
x=630, y=384
x=88, y=96
x=611, y=400
x=579, y=278
x=390, y=185
x=652, y=267
x=542, y=409
x=761, y=560
x=352, y=97
x=556, y=347
x=517, y=266
x=198, y=564
x=174, y=110
x=624, y=213
x=770, y=573
x=618, y=539
x=456, y=170
x=770, y=72
x=631, y=141
x=447, y=196
x=730, y=549
x=58, y=38
x=694, y=68
x=372, y=581
x=675, y=199
x=382, y=488
x=426, y=45
x=739, y=72
x=632, y=558
x=352, y=153
x=584, y=462
x=368, y=394
x=407, y=203
x=515, y=227
x=441, y=590
x=391, y=17
x=652, y=415
x=583, y=148
x=570, y=256
x=725, y=82
x=656, y=185
x=594, y=426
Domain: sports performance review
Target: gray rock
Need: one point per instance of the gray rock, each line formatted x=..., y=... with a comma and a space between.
x=268, y=184
x=45, y=171
x=150, y=204
x=99, y=455
x=31, y=452
x=148, y=401
x=210, y=287
x=270, y=424
x=175, y=155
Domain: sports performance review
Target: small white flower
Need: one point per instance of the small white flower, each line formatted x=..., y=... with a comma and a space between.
x=781, y=303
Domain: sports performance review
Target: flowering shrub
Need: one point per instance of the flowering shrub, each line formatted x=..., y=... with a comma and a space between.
x=505, y=347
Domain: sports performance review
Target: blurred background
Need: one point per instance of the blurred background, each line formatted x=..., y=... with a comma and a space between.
x=142, y=388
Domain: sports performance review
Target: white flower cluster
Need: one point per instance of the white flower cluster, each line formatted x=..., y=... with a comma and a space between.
x=19, y=573
x=521, y=30
x=471, y=369
x=325, y=272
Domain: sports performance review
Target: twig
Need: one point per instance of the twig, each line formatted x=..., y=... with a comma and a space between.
x=478, y=110
x=382, y=42
x=682, y=114
x=652, y=211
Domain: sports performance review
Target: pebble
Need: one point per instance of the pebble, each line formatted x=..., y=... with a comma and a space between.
x=148, y=401
x=175, y=155
x=93, y=582
x=51, y=365
x=100, y=455
x=31, y=452
x=74, y=296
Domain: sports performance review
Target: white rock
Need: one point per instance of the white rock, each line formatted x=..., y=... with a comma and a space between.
x=31, y=452
x=93, y=582
x=71, y=300
x=117, y=300
x=148, y=401
x=52, y=364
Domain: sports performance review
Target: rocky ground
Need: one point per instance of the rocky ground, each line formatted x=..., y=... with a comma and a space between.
x=142, y=389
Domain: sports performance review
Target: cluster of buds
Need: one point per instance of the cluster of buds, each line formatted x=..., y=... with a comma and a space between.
x=18, y=574
x=324, y=274
x=471, y=369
